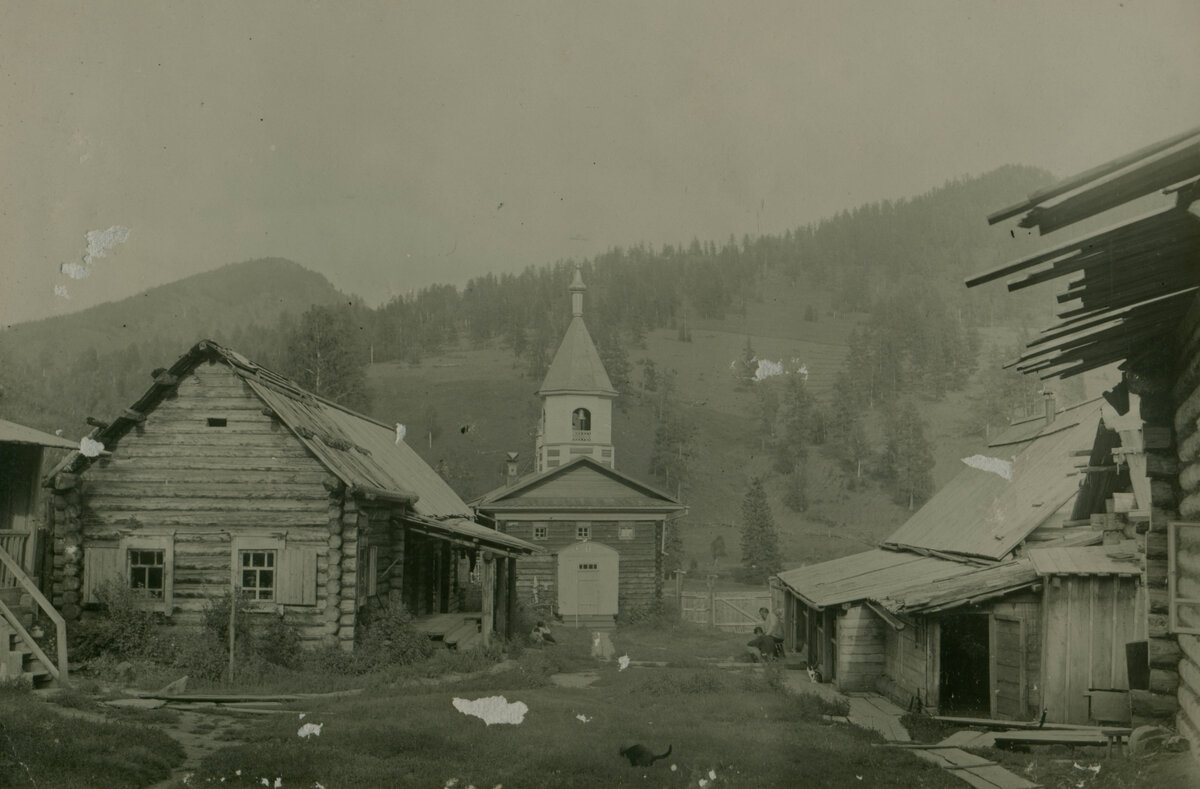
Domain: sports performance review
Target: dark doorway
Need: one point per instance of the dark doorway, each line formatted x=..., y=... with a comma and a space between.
x=964, y=665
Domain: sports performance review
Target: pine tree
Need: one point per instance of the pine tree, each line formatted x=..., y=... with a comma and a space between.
x=760, y=541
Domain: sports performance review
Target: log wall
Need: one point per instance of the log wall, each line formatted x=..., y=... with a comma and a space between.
x=1180, y=666
x=202, y=487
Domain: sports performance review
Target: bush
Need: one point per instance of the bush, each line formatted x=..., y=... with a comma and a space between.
x=386, y=637
x=123, y=628
x=216, y=621
x=276, y=642
x=655, y=614
x=201, y=656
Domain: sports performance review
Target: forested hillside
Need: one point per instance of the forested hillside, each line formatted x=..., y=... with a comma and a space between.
x=874, y=344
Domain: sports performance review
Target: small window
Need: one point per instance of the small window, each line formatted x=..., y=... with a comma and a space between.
x=581, y=419
x=541, y=532
x=583, y=531
x=147, y=573
x=625, y=532
x=258, y=574
x=588, y=566
x=216, y=421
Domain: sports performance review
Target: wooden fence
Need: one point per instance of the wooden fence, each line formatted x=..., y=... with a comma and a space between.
x=734, y=612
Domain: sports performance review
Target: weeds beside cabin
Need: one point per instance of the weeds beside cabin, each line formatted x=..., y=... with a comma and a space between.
x=227, y=477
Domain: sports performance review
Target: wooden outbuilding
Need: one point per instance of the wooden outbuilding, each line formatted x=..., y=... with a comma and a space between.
x=964, y=608
x=225, y=476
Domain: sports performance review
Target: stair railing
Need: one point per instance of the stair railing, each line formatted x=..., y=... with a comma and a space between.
x=15, y=572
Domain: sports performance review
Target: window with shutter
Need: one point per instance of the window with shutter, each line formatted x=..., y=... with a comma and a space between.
x=269, y=572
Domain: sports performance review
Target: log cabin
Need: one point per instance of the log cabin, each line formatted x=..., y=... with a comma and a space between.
x=1009, y=593
x=23, y=545
x=604, y=531
x=225, y=477
x=1132, y=307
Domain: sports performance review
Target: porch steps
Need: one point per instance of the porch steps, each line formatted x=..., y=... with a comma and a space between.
x=16, y=659
x=462, y=636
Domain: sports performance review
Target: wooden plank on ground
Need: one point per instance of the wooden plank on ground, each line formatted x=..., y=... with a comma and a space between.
x=1052, y=737
x=975, y=770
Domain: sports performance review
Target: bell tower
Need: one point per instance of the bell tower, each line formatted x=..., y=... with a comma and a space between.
x=577, y=397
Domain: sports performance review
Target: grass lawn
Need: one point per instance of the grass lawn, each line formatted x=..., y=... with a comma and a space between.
x=738, y=725
x=42, y=747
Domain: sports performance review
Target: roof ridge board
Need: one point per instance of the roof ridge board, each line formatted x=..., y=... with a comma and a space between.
x=1091, y=175
x=522, y=484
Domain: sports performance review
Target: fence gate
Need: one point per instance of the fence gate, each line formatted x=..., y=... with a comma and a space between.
x=734, y=612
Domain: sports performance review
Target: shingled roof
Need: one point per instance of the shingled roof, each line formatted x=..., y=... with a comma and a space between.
x=1133, y=281
x=577, y=367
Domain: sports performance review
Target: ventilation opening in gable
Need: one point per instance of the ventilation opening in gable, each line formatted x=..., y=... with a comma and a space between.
x=216, y=421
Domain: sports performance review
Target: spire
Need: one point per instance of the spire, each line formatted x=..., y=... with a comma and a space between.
x=577, y=288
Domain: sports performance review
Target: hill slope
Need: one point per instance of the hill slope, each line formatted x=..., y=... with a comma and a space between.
x=105, y=353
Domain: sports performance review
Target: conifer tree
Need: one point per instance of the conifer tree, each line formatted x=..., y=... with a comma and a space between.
x=760, y=540
x=325, y=355
x=908, y=458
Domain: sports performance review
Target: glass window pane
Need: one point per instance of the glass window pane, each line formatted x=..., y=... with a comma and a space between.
x=248, y=579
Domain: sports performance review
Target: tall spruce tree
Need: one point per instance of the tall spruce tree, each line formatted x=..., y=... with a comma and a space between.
x=908, y=458
x=760, y=540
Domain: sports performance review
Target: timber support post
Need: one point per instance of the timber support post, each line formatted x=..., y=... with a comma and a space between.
x=489, y=597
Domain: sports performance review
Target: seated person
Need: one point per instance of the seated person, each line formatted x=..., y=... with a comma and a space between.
x=761, y=647
x=541, y=634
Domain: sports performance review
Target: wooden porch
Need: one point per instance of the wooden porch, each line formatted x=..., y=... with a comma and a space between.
x=459, y=631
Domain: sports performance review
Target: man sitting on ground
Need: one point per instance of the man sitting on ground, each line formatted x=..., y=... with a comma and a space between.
x=541, y=634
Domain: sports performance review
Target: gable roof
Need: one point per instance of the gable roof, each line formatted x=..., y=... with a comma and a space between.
x=981, y=514
x=358, y=450
x=576, y=367
x=582, y=484
x=12, y=433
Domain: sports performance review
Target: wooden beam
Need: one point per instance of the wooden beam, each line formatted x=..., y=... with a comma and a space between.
x=489, y=597
x=1087, y=176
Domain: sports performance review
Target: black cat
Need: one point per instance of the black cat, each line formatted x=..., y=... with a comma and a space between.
x=641, y=756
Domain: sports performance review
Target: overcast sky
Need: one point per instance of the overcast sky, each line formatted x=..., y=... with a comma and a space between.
x=392, y=145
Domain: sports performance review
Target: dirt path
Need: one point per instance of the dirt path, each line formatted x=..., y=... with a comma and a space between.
x=200, y=733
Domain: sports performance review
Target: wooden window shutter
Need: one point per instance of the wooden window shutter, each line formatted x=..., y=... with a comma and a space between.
x=297, y=583
x=101, y=564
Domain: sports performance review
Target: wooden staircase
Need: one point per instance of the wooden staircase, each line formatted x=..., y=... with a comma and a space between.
x=17, y=659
